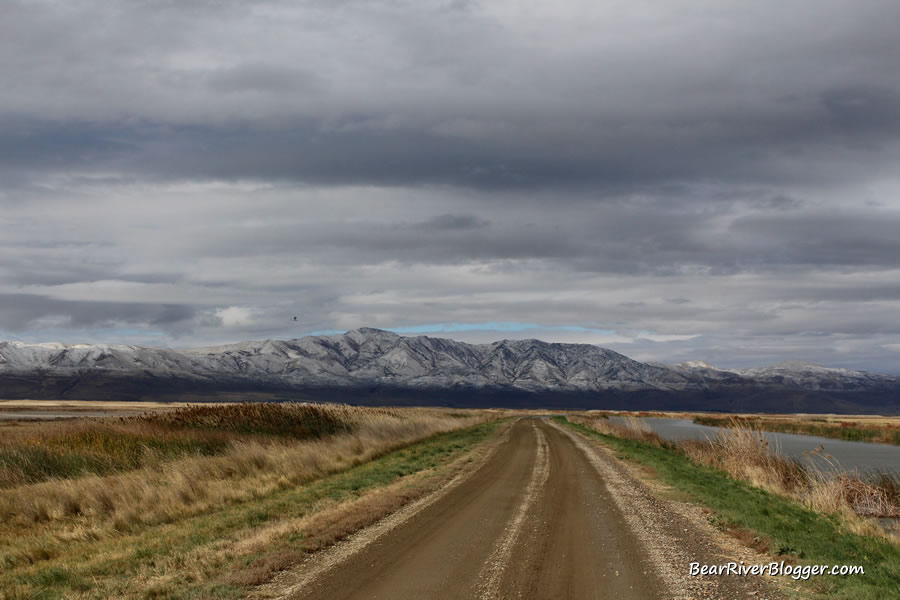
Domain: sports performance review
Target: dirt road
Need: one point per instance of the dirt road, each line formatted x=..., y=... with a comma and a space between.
x=546, y=516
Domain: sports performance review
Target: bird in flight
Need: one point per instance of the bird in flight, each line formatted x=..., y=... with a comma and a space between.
x=294, y=319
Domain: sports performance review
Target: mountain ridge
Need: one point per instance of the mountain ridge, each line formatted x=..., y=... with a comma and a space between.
x=366, y=358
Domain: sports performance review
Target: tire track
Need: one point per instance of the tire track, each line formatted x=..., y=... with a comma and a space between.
x=545, y=515
x=328, y=560
x=673, y=536
x=491, y=576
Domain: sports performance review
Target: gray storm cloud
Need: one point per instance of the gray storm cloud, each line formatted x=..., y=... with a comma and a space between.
x=711, y=180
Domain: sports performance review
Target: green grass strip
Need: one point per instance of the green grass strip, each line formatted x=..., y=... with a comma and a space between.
x=804, y=536
x=181, y=555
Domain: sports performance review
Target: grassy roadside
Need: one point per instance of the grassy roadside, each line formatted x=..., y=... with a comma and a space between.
x=225, y=552
x=67, y=450
x=87, y=481
x=848, y=430
x=783, y=528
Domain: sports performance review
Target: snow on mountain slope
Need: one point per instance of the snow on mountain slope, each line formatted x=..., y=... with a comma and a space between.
x=58, y=357
x=817, y=377
x=371, y=356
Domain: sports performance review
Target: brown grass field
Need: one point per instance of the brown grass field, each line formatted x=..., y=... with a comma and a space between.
x=160, y=465
x=112, y=483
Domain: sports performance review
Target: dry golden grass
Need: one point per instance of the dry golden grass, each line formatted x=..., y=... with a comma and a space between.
x=250, y=467
x=745, y=454
x=62, y=450
x=633, y=427
x=216, y=526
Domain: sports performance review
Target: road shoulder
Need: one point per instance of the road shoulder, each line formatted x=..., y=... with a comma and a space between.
x=674, y=532
x=385, y=509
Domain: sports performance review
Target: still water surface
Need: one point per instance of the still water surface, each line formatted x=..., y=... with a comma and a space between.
x=850, y=456
x=50, y=415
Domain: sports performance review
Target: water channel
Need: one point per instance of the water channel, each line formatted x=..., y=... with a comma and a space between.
x=865, y=458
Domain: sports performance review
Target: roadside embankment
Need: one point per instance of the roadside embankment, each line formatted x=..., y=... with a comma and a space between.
x=215, y=525
x=744, y=496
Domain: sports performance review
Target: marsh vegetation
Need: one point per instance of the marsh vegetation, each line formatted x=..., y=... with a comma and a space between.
x=745, y=454
x=146, y=502
x=882, y=431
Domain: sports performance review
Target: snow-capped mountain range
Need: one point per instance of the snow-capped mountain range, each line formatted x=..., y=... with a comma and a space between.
x=372, y=357
x=374, y=366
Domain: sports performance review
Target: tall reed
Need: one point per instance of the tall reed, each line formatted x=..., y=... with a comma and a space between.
x=746, y=454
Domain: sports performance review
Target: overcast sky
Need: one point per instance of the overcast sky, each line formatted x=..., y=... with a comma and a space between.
x=715, y=180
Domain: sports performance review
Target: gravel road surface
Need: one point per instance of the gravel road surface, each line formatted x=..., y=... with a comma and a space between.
x=547, y=515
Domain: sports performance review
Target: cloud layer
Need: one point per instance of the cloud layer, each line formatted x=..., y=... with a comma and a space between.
x=692, y=179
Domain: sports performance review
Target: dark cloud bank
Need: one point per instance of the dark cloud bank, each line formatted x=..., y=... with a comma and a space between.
x=687, y=180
